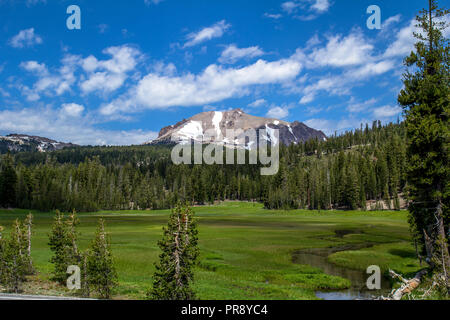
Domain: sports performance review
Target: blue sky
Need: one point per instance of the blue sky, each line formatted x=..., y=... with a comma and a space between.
x=139, y=65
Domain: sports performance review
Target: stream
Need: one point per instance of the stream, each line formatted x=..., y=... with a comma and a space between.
x=358, y=290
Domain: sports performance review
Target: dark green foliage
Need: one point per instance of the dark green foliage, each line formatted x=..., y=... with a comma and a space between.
x=8, y=182
x=174, y=275
x=338, y=173
x=101, y=272
x=426, y=102
x=15, y=259
x=62, y=242
x=353, y=168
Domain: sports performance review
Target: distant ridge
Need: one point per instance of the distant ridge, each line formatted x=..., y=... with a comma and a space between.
x=23, y=142
x=195, y=127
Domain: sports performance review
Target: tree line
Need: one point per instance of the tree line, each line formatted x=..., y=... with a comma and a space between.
x=343, y=172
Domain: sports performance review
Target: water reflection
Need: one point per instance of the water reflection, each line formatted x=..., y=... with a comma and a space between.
x=358, y=290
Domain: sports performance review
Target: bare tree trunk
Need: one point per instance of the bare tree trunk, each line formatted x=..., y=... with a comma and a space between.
x=441, y=232
x=429, y=249
x=177, y=254
x=85, y=285
x=408, y=285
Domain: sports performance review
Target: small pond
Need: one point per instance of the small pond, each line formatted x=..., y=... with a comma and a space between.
x=358, y=290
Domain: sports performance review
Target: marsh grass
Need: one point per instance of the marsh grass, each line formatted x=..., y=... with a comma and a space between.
x=246, y=251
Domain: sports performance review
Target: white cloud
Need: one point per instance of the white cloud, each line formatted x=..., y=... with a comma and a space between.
x=103, y=81
x=404, y=42
x=232, y=53
x=103, y=76
x=48, y=83
x=314, y=7
x=275, y=16
x=321, y=124
x=109, y=75
x=391, y=20
x=214, y=84
x=278, y=112
x=257, y=103
x=72, y=109
x=355, y=107
x=321, y=5
x=49, y=122
x=342, y=51
x=35, y=67
x=343, y=83
x=25, y=38
x=123, y=59
x=308, y=97
x=336, y=85
x=371, y=69
x=290, y=6
x=352, y=53
x=31, y=3
x=386, y=112
x=150, y=2
x=214, y=31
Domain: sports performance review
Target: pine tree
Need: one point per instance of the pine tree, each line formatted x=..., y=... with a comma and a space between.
x=351, y=189
x=8, y=183
x=27, y=231
x=101, y=272
x=72, y=234
x=13, y=260
x=61, y=245
x=425, y=99
x=174, y=273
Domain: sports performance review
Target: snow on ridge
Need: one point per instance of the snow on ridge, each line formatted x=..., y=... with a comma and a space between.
x=218, y=116
x=191, y=130
x=292, y=132
x=271, y=134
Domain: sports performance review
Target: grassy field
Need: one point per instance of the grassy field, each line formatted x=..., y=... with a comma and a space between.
x=246, y=251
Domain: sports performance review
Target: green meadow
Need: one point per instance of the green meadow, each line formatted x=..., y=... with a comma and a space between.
x=246, y=251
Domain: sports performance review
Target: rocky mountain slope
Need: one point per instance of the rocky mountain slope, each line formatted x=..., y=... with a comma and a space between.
x=23, y=142
x=195, y=127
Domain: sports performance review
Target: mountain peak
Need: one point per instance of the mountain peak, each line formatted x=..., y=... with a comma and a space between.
x=16, y=142
x=195, y=127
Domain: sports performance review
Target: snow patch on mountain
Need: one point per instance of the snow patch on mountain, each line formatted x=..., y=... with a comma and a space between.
x=22, y=142
x=220, y=122
x=218, y=116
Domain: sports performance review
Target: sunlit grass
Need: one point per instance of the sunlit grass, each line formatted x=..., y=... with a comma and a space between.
x=245, y=249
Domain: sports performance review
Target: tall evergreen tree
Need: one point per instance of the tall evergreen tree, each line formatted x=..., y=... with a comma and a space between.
x=8, y=183
x=13, y=259
x=27, y=231
x=101, y=272
x=426, y=102
x=62, y=247
x=174, y=273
